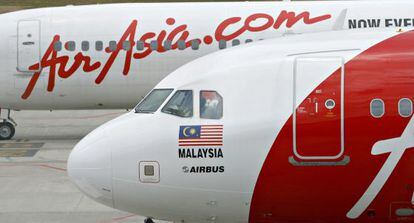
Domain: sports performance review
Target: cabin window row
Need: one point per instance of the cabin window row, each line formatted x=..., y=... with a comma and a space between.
x=405, y=107
x=140, y=46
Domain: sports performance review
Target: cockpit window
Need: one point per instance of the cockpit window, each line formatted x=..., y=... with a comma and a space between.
x=181, y=104
x=153, y=101
x=211, y=105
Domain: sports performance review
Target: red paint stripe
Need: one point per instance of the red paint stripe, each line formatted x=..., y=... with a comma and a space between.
x=118, y=219
x=211, y=137
x=200, y=144
x=52, y=167
x=123, y=217
x=34, y=165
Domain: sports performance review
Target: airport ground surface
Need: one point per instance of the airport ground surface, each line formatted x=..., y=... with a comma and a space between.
x=34, y=186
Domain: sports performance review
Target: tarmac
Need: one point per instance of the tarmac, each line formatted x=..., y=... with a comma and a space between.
x=34, y=186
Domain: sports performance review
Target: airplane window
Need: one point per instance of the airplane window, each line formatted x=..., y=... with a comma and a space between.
x=85, y=45
x=405, y=107
x=154, y=45
x=222, y=44
x=126, y=45
x=181, y=104
x=211, y=105
x=112, y=46
x=235, y=42
x=195, y=44
x=167, y=44
x=181, y=45
x=57, y=46
x=140, y=45
x=248, y=41
x=70, y=46
x=153, y=101
x=149, y=170
x=99, y=45
x=377, y=108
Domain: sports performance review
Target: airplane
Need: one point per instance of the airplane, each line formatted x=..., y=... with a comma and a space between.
x=111, y=56
x=315, y=127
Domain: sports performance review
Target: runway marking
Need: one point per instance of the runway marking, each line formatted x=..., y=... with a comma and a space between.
x=118, y=219
x=21, y=140
x=123, y=218
x=34, y=165
x=52, y=167
x=22, y=145
x=18, y=152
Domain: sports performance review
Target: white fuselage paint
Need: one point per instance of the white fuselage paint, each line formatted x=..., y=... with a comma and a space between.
x=108, y=22
x=134, y=137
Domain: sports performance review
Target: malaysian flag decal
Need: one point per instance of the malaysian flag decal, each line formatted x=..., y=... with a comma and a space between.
x=201, y=135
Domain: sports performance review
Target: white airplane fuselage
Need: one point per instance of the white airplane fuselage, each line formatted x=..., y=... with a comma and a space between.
x=83, y=73
x=311, y=128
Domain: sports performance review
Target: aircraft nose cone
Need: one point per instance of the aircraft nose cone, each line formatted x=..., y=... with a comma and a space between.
x=89, y=167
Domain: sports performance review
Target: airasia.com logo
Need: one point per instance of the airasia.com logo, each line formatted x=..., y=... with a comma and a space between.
x=58, y=64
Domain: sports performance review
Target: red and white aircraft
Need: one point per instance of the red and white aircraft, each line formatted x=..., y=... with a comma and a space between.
x=306, y=128
x=110, y=56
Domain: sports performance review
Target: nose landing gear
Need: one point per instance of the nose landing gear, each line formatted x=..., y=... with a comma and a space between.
x=148, y=220
x=7, y=127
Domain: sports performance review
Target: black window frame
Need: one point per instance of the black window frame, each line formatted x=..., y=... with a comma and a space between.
x=222, y=101
x=172, y=97
x=151, y=112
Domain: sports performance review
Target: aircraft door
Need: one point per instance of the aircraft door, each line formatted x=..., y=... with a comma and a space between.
x=28, y=45
x=318, y=117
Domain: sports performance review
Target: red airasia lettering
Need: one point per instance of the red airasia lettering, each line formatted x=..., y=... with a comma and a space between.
x=252, y=18
x=51, y=60
x=290, y=18
x=59, y=64
x=130, y=32
x=224, y=25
